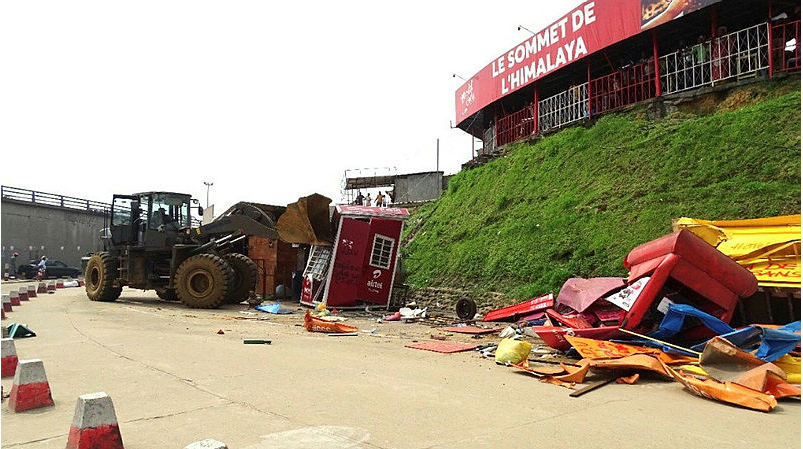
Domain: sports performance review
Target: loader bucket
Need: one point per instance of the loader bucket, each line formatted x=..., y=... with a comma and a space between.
x=306, y=222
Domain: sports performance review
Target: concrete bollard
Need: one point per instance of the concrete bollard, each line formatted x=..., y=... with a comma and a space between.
x=8, y=362
x=42, y=288
x=30, y=389
x=51, y=287
x=15, y=297
x=206, y=444
x=2, y=315
x=94, y=424
x=23, y=292
x=31, y=291
x=7, y=303
x=59, y=283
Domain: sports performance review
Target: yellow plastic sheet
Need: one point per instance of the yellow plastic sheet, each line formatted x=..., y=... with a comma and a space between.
x=768, y=247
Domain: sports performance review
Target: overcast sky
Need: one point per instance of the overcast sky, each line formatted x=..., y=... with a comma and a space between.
x=269, y=103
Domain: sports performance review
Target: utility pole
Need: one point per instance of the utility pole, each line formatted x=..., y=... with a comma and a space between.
x=208, y=185
x=437, y=154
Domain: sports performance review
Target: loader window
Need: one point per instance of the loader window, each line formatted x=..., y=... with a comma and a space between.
x=122, y=212
x=169, y=210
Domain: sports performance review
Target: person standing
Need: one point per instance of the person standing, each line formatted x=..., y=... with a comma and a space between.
x=41, y=268
x=12, y=265
x=368, y=199
x=359, y=200
x=380, y=199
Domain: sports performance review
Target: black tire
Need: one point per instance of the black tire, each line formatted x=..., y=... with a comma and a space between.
x=466, y=309
x=101, y=272
x=167, y=294
x=203, y=281
x=245, y=277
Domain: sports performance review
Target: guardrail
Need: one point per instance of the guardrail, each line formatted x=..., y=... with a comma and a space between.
x=52, y=199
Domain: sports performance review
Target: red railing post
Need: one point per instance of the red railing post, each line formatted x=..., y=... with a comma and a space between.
x=769, y=37
x=657, y=64
x=535, y=108
x=588, y=85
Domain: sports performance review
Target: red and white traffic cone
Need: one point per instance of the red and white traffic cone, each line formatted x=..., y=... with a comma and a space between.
x=8, y=363
x=30, y=389
x=59, y=283
x=31, y=291
x=94, y=424
x=7, y=304
x=42, y=288
x=23, y=292
x=15, y=297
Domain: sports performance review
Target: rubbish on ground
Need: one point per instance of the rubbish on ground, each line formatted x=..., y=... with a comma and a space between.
x=313, y=324
x=71, y=284
x=644, y=362
x=247, y=313
x=598, y=349
x=768, y=247
x=675, y=318
x=470, y=330
x=630, y=380
x=512, y=351
x=394, y=317
x=220, y=332
x=555, y=336
x=466, y=308
x=791, y=366
x=666, y=344
x=729, y=392
x=273, y=308
x=580, y=294
x=687, y=269
x=508, y=332
x=408, y=314
x=256, y=342
x=592, y=386
x=16, y=330
x=438, y=337
x=528, y=307
x=344, y=334
x=444, y=347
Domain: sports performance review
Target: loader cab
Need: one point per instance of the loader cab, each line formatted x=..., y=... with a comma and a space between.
x=151, y=219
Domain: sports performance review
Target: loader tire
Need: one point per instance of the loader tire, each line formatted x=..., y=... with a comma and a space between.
x=100, y=274
x=167, y=294
x=245, y=277
x=203, y=281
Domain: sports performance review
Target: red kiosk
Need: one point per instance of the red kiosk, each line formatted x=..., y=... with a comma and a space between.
x=362, y=263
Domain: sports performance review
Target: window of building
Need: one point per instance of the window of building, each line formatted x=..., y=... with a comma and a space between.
x=381, y=252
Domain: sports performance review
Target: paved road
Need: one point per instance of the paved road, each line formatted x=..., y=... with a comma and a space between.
x=174, y=380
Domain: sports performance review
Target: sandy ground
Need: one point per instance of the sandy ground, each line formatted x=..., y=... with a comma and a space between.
x=174, y=380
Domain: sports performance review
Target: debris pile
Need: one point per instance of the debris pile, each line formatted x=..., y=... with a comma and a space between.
x=669, y=318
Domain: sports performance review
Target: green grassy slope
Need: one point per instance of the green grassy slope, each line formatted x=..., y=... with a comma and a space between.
x=576, y=202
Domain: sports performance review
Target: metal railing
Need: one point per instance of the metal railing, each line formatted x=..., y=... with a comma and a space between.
x=629, y=85
x=515, y=126
x=786, y=46
x=52, y=199
x=739, y=54
x=563, y=108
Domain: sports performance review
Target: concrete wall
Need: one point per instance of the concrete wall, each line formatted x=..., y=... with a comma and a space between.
x=36, y=230
x=417, y=187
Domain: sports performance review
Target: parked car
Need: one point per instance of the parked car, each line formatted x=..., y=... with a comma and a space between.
x=55, y=269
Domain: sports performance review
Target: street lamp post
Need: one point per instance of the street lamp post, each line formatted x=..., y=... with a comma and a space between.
x=208, y=185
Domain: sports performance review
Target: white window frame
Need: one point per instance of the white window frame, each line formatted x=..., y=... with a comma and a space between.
x=390, y=253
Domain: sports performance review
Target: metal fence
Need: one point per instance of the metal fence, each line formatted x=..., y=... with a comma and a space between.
x=51, y=199
x=566, y=107
x=629, y=85
x=786, y=46
x=739, y=54
x=515, y=126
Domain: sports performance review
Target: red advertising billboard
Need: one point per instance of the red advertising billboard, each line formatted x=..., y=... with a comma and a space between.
x=588, y=28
